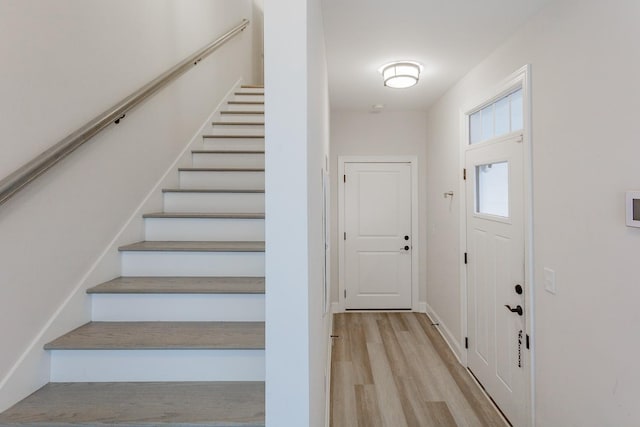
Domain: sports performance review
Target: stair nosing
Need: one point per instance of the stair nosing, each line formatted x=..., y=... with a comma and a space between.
x=221, y=169
x=227, y=152
x=194, y=246
x=234, y=136
x=204, y=190
x=242, y=112
x=110, y=343
x=180, y=285
x=245, y=102
x=204, y=215
x=249, y=93
x=237, y=123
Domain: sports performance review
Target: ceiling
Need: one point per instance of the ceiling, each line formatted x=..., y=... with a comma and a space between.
x=448, y=37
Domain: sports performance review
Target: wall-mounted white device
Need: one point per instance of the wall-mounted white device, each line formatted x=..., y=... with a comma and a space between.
x=633, y=208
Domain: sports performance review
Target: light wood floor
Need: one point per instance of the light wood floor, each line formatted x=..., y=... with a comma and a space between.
x=395, y=370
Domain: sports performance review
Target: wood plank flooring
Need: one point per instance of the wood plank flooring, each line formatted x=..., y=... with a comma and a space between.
x=181, y=285
x=395, y=370
x=183, y=404
x=182, y=246
x=162, y=335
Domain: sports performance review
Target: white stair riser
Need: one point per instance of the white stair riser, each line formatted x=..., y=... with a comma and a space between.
x=204, y=229
x=240, y=118
x=222, y=180
x=247, y=97
x=156, y=365
x=214, y=202
x=177, y=307
x=244, y=107
x=232, y=160
x=251, y=90
x=247, y=144
x=225, y=264
x=223, y=123
x=228, y=130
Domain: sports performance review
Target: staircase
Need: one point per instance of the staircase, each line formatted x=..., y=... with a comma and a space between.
x=179, y=338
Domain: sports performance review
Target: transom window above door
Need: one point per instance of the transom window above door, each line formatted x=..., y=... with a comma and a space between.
x=496, y=119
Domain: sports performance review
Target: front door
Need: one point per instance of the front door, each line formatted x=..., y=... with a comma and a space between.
x=495, y=272
x=378, y=236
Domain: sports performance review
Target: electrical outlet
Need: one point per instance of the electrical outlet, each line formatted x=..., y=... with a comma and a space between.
x=550, y=281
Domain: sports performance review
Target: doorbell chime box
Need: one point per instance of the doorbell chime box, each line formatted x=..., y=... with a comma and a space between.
x=633, y=208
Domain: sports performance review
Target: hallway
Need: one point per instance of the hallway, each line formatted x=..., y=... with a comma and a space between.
x=394, y=369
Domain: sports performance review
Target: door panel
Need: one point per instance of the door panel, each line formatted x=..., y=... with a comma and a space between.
x=495, y=234
x=377, y=219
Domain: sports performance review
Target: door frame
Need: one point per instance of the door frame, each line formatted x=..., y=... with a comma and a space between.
x=415, y=258
x=520, y=78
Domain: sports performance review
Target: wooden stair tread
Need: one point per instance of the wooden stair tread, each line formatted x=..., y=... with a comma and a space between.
x=180, y=285
x=227, y=151
x=162, y=335
x=238, y=123
x=246, y=102
x=252, y=86
x=232, y=169
x=250, y=93
x=234, y=136
x=204, y=215
x=204, y=190
x=194, y=246
x=214, y=404
x=241, y=112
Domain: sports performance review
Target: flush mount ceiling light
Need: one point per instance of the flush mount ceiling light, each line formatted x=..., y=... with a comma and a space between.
x=400, y=74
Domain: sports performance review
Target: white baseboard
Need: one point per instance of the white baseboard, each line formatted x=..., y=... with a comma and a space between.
x=335, y=308
x=32, y=369
x=422, y=307
x=453, y=344
x=328, y=375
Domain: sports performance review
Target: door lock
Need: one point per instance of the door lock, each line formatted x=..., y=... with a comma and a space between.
x=519, y=289
x=406, y=248
x=406, y=237
x=518, y=309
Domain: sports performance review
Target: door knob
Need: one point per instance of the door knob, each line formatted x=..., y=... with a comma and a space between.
x=518, y=309
x=405, y=248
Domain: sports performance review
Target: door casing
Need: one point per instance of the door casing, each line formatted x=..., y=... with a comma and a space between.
x=520, y=78
x=415, y=249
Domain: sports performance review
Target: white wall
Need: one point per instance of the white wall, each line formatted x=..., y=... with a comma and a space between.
x=296, y=142
x=393, y=133
x=585, y=151
x=63, y=63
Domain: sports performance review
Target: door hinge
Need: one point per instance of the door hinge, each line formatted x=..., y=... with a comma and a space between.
x=345, y=293
x=464, y=174
x=344, y=178
x=345, y=235
x=527, y=341
x=466, y=342
x=465, y=257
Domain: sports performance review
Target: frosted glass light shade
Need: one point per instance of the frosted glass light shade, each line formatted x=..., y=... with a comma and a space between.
x=400, y=75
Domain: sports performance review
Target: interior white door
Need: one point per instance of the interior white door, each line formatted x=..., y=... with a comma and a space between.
x=495, y=269
x=378, y=239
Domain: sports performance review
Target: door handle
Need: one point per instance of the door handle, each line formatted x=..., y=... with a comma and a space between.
x=518, y=309
x=405, y=248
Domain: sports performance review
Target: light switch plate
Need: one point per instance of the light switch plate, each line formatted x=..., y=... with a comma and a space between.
x=550, y=280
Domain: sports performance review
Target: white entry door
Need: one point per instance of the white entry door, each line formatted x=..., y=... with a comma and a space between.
x=495, y=273
x=378, y=238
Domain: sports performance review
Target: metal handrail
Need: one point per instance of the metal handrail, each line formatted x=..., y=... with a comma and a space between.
x=40, y=164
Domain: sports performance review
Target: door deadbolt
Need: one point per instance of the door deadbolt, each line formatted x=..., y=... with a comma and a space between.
x=519, y=289
x=406, y=237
